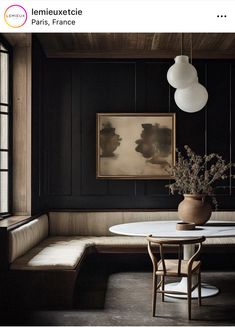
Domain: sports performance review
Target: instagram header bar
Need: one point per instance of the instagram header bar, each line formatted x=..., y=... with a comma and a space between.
x=117, y=16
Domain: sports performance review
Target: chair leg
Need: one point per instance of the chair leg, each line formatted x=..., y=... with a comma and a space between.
x=189, y=296
x=154, y=295
x=163, y=287
x=199, y=289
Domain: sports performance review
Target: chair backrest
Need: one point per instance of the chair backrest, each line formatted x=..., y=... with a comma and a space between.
x=163, y=243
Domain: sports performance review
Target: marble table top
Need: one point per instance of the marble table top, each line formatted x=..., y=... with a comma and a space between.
x=168, y=229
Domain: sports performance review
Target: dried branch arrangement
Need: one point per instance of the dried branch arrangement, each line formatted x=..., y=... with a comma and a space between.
x=195, y=174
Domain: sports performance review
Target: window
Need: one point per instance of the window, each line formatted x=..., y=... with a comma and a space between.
x=5, y=128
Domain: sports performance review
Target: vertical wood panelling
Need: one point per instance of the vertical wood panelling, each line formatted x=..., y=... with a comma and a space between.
x=59, y=128
x=156, y=100
x=94, y=97
x=76, y=90
x=122, y=96
x=157, y=87
x=140, y=106
x=232, y=121
x=76, y=129
x=218, y=114
x=37, y=130
x=190, y=127
x=107, y=87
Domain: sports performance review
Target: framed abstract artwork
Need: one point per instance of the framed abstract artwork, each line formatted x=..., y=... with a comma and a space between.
x=135, y=146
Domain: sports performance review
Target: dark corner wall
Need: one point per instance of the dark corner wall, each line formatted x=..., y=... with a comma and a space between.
x=39, y=197
x=68, y=93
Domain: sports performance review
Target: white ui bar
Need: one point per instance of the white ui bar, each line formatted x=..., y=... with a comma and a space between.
x=117, y=16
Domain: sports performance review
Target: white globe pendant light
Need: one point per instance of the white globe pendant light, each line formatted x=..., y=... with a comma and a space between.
x=182, y=74
x=192, y=98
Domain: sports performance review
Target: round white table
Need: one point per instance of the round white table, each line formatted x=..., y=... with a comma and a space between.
x=167, y=229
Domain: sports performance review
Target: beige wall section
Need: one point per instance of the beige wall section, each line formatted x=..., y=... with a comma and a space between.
x=98, y=223
x=22, y=92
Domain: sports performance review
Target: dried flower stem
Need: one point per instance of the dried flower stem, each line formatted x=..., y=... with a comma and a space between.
x=195, y=174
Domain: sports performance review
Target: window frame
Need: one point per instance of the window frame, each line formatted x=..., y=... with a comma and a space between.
x=9, y=169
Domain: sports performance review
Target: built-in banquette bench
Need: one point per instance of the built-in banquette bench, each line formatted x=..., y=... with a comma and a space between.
x=46, y=252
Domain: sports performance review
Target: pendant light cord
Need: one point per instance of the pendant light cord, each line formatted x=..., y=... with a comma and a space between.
x=181, y=44
x=191, y=48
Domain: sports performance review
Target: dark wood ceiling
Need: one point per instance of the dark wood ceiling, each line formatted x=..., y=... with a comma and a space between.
x=137, y=45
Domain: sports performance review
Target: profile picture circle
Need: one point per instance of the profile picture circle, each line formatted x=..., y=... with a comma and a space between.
x=15, y=16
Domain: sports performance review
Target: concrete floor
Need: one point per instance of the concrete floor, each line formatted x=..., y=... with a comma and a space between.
x=121, y=296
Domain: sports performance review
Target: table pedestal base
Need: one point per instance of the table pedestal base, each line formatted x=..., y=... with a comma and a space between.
x=206, y=290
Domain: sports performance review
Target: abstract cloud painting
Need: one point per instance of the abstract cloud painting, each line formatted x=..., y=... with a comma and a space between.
x=135, y=146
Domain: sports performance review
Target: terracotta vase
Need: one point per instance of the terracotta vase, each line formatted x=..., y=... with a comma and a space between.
x=195, y=208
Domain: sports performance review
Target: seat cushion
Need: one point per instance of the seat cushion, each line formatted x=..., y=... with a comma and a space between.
x=54, y=253
x=219, y=241
x=120, y=241
x=65, y=252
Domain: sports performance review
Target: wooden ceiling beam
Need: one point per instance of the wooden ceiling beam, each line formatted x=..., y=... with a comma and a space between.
x=18, y=39
x=138, y=54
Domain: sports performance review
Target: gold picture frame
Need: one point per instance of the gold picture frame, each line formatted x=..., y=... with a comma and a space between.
x=135, y=145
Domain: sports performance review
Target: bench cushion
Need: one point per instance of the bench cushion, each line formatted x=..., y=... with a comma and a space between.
x=219, y=241
x=138, y=241
x=120, y=241
x=54, y=253
x=65, y=252
x=25, y=237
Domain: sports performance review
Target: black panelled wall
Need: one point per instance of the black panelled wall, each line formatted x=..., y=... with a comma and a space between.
x=75, y=90
x=39, y=197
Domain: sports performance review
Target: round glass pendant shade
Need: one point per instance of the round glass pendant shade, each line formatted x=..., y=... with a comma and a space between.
x=182, y=73
x=192, y=98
